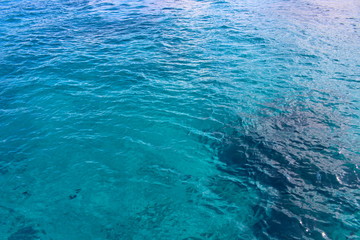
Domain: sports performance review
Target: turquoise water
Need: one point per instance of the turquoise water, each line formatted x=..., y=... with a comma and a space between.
x=179, y=119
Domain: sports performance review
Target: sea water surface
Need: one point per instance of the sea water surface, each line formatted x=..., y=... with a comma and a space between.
x=179, y=119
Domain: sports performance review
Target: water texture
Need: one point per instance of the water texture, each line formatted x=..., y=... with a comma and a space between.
x=179, y=119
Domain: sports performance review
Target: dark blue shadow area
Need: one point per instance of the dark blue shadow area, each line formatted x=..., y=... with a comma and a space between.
x=300, y=198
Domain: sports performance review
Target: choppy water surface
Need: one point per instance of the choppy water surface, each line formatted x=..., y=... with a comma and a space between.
x=179, y=119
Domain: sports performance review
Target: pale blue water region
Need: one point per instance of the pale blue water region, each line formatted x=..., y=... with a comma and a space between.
x=179, y=119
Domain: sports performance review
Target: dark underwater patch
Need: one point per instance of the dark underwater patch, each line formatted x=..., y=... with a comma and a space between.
x=304, y=196
x=25, y=233
x=72, y=196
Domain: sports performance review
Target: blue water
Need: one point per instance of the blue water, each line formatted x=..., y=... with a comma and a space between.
x=179, y=119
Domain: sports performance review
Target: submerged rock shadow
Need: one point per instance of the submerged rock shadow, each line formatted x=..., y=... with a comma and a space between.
x=287, y=160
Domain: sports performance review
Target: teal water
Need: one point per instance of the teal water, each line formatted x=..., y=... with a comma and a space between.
x=179, y=119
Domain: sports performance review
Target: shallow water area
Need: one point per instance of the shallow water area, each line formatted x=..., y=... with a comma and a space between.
x=179, y=119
